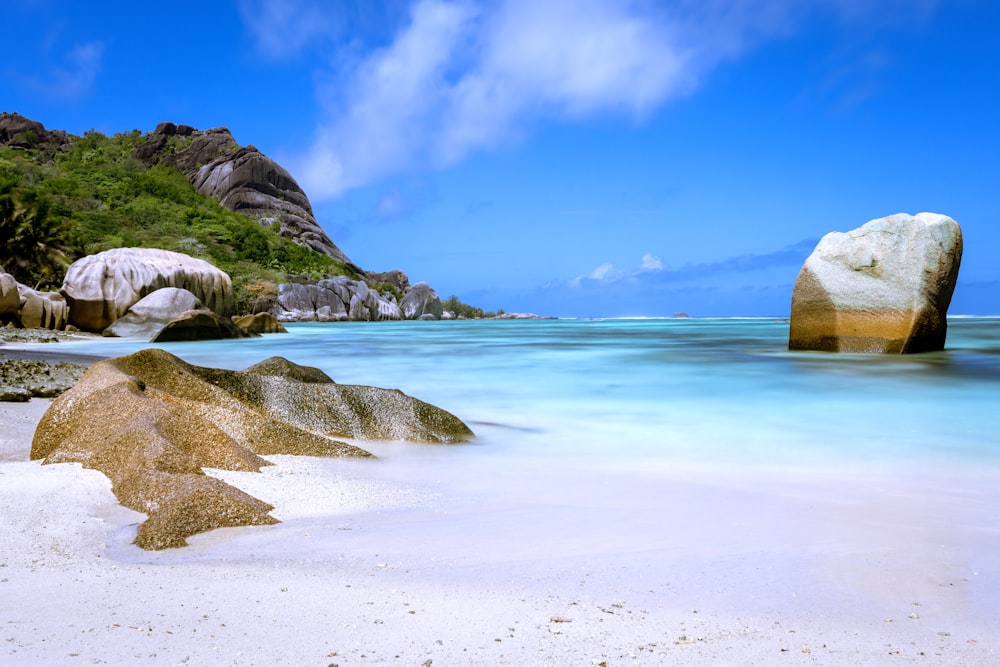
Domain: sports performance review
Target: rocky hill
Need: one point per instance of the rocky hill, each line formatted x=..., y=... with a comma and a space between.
x=65, y=199
x=240, y=178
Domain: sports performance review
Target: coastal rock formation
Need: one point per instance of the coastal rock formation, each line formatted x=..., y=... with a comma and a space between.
x=42, y=310
x=242, y=179
x=173, y=314
x=884, y=287
x=101, y=288
x=151, y=422
x=10, y=297
x=26, y=307
x=147, y=316
x=21, y=379
x=333, y=300
x=421, y=300
x=260, y=323
x=200, y=324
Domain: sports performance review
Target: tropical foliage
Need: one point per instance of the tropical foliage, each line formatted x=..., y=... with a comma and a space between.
x=464, y=310
x=57, y=206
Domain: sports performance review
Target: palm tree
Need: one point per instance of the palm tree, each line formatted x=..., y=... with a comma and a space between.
x=35, y=246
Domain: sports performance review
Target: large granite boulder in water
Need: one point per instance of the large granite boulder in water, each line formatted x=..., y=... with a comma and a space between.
x=884, y=287
x=151, y=422
x=101, y=288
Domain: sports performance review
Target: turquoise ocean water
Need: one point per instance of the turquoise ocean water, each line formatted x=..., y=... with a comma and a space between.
x=662, y=446
x=658, y=390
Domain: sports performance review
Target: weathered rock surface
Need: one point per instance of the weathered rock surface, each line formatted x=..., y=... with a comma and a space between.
x=25, y=307
x=242, y=179
x=42, y=310
x=173, y=314
x=200, y=324
x=17, y=131
x=10, y=297
x=149, y=315
x=151, y=422
x=101, y=288
x=420, y=301
x=20, y=379
x=884, y=287
x=260, y=323
x=333, y=300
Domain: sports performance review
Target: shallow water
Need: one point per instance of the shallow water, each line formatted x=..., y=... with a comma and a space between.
x=691, y=469
x=659, y=391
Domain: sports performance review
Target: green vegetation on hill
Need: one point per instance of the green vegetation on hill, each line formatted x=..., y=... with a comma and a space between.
x=57, y=206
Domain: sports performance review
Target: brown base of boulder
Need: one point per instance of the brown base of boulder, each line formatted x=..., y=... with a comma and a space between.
x=896, y=332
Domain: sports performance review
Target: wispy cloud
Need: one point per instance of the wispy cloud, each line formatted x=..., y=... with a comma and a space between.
x=74, y=76
x=459, y=76
x=652, y=270
x=281, y=30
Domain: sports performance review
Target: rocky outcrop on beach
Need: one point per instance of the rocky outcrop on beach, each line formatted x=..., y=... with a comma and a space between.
x=151, y=423
x=200, y=324
x=42, y=310
x=260, y=323
x=10, y=297
x=241, y=179
x=172, y=314
x=101, y=288
x=23, y=306
x=884, y=287
x=333, y=300
x=421, y=301
x=147, y=316
x=22, y=379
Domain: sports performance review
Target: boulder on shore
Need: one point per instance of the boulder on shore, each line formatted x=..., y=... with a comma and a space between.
x=147, y=316
x=42, y=310
x=173, y=314
x=101, y=288
x=884, y=287
x=260, y=323
x=10, y=297
x=151, y=423
x=335, y=299
x=200, y=324
x=421, y=301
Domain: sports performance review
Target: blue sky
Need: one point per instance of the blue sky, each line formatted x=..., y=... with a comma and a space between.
x=587, y=158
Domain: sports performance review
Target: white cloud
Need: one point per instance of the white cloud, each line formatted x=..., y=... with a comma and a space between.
x=282, y=29
x=603, y=273
x=76, y=77
x=651, y=262
x=461, y=76
x=609, y=273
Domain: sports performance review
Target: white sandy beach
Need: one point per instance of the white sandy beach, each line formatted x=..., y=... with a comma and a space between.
x=373, y=564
